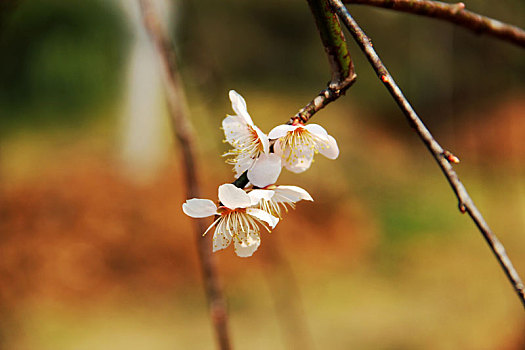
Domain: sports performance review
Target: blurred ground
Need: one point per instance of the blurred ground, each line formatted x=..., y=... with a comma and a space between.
x=382, y=258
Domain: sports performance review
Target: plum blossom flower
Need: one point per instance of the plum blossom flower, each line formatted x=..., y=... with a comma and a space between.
x=237, y=221
x=251, y=147
x=272, y=198
x=297, y=144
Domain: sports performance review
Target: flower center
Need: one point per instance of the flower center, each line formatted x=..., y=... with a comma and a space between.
x=298, y=142
x=273, y=207
x=246, y=148
x=237, y=222
x=226, y=211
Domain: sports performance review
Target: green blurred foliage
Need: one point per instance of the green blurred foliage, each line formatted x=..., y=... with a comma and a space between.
x=271, y=44
x=59, y=59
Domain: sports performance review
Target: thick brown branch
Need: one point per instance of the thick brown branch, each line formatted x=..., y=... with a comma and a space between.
x=343, y=72
x=333, y=40
x=182, y=131
x=454, y=13
x=442, y=157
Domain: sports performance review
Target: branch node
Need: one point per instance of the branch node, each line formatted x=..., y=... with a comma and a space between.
x=450, y=157
x=458, y=7
x=333, y=91
x=462, y=208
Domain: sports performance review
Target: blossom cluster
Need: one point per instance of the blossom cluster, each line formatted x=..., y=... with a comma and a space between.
x=243, y=211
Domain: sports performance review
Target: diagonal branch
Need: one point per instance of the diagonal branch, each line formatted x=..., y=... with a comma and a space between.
x=454, y=13
x=442, y=157
x=183, y=133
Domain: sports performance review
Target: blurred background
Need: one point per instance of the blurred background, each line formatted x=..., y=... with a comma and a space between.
x=95, y=252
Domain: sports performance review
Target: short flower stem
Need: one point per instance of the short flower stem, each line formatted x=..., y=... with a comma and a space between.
x=440, y=155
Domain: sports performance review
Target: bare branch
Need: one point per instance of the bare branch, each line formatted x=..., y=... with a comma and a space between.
x=183, y=133
x=442, y=157
x=454, y=13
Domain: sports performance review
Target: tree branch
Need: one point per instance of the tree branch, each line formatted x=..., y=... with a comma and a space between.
x=330, y=94
x=343, y=73
x=442, y=157
x=454, y=13
x=333, y=41
x=183, y=133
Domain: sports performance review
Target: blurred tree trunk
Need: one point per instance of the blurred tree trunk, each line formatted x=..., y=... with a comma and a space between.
x=144, y=142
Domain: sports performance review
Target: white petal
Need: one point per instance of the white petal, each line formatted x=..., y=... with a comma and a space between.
x=199, y=208
x=317, y=130
x=329, y=149
x=265, y=170
x=257, y=195
x=264, y=216
x=234, y=128
x=242, y=165
x=239, y=106
x=247, y=246
x=280, y=131
x=291, y=194
x=301, y=161
x=301, y=165
x=264, y=139
x=278, y=148
x=221, y=240
x=233, y=197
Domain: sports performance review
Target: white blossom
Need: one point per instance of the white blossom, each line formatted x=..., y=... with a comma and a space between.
x=273, y=198
x=238, y=220
x=297, y=144
x=251, y=148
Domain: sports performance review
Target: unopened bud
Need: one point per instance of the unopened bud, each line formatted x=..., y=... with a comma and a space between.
x=450, y=157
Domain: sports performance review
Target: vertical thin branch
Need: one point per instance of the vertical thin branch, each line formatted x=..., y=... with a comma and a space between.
x=343, y=74
x=442, y=157
x=333, y=40
x=183, y=133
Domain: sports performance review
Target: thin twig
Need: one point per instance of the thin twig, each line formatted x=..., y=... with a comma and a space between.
x=442, y=157
x=183, y=133
x=326, y=96
x=454, y=13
